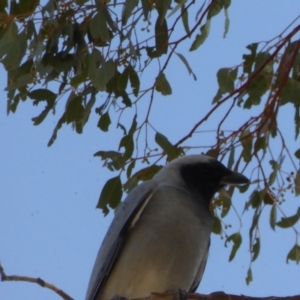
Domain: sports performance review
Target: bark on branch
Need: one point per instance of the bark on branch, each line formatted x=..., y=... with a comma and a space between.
x=153, y=296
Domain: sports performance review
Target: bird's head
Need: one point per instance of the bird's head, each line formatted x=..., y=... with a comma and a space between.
x=202, y=174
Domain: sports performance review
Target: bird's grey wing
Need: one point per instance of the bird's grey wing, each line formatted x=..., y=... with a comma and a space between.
x=200, y=272
x=125, y=218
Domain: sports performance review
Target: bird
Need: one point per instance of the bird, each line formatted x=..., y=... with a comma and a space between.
x=159, y=238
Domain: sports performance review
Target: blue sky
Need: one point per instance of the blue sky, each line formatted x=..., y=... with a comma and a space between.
x=49, y=226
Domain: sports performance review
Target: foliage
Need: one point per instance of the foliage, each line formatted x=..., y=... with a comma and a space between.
x=80, y=49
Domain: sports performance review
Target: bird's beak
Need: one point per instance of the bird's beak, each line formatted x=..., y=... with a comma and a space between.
x=234, y=178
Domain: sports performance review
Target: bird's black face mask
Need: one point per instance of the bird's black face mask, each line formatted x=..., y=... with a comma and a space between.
x=206, y=178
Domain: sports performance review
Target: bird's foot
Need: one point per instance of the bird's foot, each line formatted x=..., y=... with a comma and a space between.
x=182, y=295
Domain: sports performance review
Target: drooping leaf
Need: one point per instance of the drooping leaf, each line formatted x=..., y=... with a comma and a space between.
x=217, y=227
x=226, y=78
x=134, y=81
x=162, y=85
x=255, y=249
x=246, y=139
x=297, y=153
x=185, y=19
x=249, y=277
x=297, y=183
x=200, y=38
x=250, y=58
x=161, y=37
x=162, y=7
x=42, y=95
x=289, y=221
x=111, y=194
x=273, y=217
x=147, y=7
x=113, y=160
x=227, y=23
x=129, y=169
x=104, y=122
x=128, y=9
x=98, y=28
x=171, y=151
x=59, y=124
x=199, y=11
x=215, y=8
x=142, y=175
x=183, y=59
x=225, y=199
x=260, y=144
x=294, y=254
x=290, y=92
x=231, y=158
x=236, y=238
x=74, y=108
x=123, y=79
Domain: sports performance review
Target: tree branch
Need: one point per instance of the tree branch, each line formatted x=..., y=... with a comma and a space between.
x=38, y=281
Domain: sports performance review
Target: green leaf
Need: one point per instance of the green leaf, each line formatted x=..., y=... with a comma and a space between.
x=74, y=109
x=161, y=37
x=171, y=151
x=183, y=59
x=273, y=216
x=134, y=81
x=231, y=158
x=236, y=238
x=227, y=23
x=255, y=249
x=185, y=19
x=226, y=78
x=255, y=200
x=8, y=38
x=218, y=96
x=113, y=160
x=128, y=144
x=297, y=153
x=162, y=7
x=142, y=175
x=225, y=199
x=249, y=58
x=290, y=92
x=249, y=277
x=16, y=53
x=162, y=85
x=297, y=183
x=123, y=79
x=98, y=27
x=214, y=153
x=246, y=139
x=175, y=9
x=104, y=122
x=260, y=60
x=215, y=8
x=200, y=38
x=199, y=11
x=272, y=178
x=290, y=221
x=260, y=144
x=111, y=194
x=294, y=254
x=243, y=188
x=129, y=169
x=59, y=124
x=147, y=173
x=217, y=227
x=128, y=9
x=42, y=95
x=147, y=7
